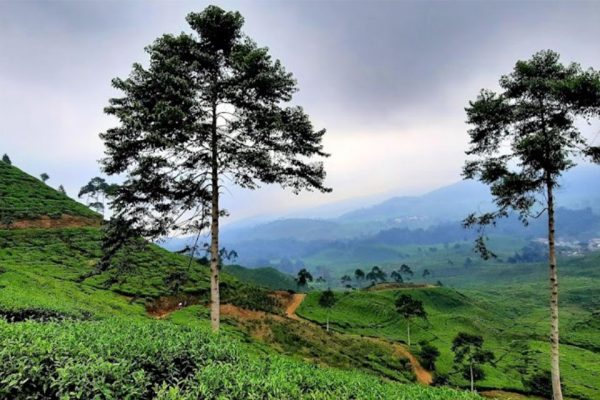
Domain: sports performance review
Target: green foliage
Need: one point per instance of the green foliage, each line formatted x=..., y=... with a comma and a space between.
x=535, y=117
x=121, y=358
x=209, y=103
x=327, y=299
x=6, y=159
x=57, y=259
x=266, y=277
x=376, y=274
x=252, y=298
x=539, y=383
x=24, y=197
x=359, y=274
x=409, y=307
x=303, y=278
x=397, y=276
x=96, y=191
x=469, y=355
x=428, y=354
x=506, y=312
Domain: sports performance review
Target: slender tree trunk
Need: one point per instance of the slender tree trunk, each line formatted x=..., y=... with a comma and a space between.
x=327, y=321
x=408, y=330
x=472, y=379
x=554, y=336
x=215, y=301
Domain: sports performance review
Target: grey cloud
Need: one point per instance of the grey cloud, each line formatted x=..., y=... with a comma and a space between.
x=401, y=70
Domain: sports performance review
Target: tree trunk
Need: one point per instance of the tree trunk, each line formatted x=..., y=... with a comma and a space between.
x=327, y=321
x=472, y=379
x=554, y=337
x=408, y=330
x=215, y=301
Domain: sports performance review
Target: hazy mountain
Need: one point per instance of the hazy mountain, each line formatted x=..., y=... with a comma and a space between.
x=455, y=201
x=432, y=218
x=448, y=203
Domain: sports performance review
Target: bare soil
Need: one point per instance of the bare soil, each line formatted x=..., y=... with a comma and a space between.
x=64, y=221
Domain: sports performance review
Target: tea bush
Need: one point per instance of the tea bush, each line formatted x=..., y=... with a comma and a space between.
x=24, y=197
x=142, y=359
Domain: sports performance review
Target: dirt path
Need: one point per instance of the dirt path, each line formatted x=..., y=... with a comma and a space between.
x=290, y=310
x=165, y=308
x=423, y=376
x=64, y=221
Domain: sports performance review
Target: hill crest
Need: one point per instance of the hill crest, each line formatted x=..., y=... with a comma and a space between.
x=27, y=202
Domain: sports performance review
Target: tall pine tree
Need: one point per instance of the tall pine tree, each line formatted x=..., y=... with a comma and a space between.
x=212, y=105
x=522, y=140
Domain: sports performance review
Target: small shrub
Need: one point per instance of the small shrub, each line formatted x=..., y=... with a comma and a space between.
x=539, y=383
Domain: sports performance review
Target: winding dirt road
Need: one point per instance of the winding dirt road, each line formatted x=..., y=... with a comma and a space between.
x=423, y=376
x=290, y=310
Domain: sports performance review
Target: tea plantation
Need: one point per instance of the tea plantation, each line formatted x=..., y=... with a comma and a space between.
x=63, y=338
x=513, y=320
x=23, y=196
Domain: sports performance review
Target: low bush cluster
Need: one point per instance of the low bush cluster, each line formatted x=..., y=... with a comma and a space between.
x=251, y=298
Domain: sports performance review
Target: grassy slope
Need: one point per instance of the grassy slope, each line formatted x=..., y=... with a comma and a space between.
x=506, y=316
x=66, y=254
x=111, y=345
x=266, y=277
x=24, y=197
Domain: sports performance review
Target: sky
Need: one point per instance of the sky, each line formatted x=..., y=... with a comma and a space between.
x=388, y=80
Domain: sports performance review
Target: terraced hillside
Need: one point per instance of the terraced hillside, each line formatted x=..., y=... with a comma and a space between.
x=267, y=277
x=26, y=201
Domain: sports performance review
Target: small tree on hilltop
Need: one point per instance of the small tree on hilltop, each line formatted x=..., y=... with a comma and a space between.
x=359, y=275
x=96, y=191
x=409, y=308
x=327, y=300
x=469, y=357
x=345, y=280
x=426, y=273
x=44, y=177
x=397, y=276
x=303, y=278
x=522, y=141
x=61, y=189
x=6, y=159
x=376, y=274
x=406, y=271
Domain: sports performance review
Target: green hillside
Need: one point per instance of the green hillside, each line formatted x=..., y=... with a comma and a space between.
x=121, y=358
x=65, y=334
x=266, y=277
x=509, y=317
x=24, y=197
x=95, y=339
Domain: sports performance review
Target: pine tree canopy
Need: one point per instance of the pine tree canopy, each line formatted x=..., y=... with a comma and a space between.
x=525, y=137
x=215, y=77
